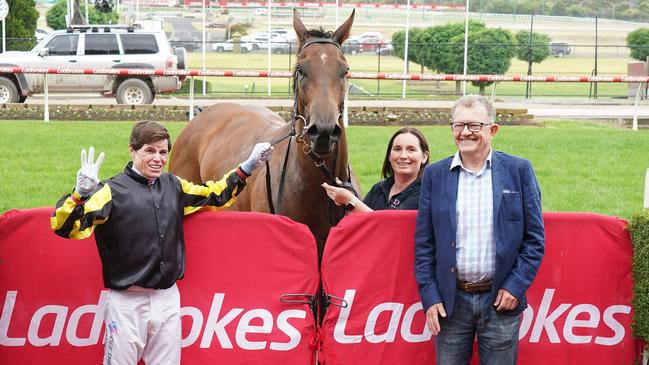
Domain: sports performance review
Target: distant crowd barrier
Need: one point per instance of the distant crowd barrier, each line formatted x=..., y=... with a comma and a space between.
x=301, y=4
x=350, y=75
x=248, y=296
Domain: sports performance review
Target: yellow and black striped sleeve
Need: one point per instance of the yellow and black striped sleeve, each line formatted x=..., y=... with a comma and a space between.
x=218, y=194
x=76, y=219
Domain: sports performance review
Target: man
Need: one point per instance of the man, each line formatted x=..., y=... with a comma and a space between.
x=137, y=218
x=479, y=241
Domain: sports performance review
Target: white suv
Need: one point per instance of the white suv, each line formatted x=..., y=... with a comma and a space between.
x=91, y=47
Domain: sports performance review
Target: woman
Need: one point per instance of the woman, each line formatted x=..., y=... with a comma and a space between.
x=405, y=159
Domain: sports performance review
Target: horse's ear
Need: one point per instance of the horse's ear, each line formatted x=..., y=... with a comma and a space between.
x=300, y=29
x=341, y=34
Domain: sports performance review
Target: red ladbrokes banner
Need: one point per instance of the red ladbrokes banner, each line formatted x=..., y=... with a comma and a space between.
x=240, y=264
x=238, y=267
x=579, y=305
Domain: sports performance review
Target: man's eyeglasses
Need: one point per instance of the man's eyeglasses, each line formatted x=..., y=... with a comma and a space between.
x=473, y=126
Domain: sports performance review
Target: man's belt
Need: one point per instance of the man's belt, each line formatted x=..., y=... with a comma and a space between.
x=471, y=287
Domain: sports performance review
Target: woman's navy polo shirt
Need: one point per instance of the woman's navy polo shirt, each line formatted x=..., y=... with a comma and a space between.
x=408, y=199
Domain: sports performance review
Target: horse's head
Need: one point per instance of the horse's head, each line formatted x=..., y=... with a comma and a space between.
x=319, y=83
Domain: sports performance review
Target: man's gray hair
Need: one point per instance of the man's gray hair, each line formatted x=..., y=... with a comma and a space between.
x=469, y=101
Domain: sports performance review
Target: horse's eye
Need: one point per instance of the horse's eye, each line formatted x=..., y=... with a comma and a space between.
x=299, y=71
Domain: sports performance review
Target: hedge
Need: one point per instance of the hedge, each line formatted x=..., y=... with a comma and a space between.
x=639, y=229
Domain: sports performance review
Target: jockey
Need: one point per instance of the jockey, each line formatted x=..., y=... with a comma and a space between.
x=137, y=218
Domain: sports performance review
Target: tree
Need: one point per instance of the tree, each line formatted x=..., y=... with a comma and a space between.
x=540, y=46
x=444, y=38
x=529, y=7
x=490, y=53
x=98, y=17
x=441, y=48
x=433, y=45
x=638, y=43
x=559, y=8
x=55, y=17
x=398, y=41
x=500, y=6
x=416, y=46
x=576, y=10
x=21, y=24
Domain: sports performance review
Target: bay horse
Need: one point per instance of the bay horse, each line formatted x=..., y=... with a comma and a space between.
x=309, y=150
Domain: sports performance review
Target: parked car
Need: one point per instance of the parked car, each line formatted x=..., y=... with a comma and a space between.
x=372, y=44
x=278, y=43
x=228, y=46
x=351, y=46
x=216, y=25
x=385, y=49
x=282, y=46
x=90, y=47
x=257, y=41
x=363, y=37
x=284, y=33
x=560, y=49
x=188, y=45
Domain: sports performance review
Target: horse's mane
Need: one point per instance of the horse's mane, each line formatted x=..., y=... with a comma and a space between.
x=315, y=33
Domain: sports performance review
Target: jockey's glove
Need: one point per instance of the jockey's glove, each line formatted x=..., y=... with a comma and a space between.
x=260, y=154
x=88, y=174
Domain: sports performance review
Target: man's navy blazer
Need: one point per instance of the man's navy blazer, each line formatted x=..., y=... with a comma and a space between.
x=518, y=231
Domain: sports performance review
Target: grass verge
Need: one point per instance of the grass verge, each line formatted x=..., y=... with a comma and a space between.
x=581, y=166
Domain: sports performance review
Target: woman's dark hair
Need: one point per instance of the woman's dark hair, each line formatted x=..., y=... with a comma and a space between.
x=147, y=131
x=387, y=167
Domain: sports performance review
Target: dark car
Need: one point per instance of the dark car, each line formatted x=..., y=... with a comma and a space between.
x=351, y=46
x=385, y=49
x=560, y=49
x=189, y=45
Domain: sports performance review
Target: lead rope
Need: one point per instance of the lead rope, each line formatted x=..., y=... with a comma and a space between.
x=282, y=178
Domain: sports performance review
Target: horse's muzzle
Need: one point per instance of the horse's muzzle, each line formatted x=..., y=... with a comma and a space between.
x=323, y=137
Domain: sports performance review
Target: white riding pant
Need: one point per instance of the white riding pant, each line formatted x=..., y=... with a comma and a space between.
x=142, y=324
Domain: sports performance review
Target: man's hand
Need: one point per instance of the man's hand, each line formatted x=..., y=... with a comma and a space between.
x=88, y=174
x=260, y=154
x=432, y=317
x=505, y=301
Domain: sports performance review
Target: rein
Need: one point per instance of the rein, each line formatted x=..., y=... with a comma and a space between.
x=330, y=178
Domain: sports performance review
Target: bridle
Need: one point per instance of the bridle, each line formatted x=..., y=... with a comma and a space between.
x=329, y=177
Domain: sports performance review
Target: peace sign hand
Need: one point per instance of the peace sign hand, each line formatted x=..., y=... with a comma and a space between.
x=88, y=174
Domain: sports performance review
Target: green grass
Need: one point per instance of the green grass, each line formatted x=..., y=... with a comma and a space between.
x=581, y=166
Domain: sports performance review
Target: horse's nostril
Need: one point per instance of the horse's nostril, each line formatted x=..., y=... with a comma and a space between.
x=312, y=132
x=335, y=134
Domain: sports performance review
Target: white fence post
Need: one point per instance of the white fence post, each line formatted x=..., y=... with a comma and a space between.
x=635, y=112
x=46, y=106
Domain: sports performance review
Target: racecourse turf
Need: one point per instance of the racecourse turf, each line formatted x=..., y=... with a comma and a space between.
x=581, y=166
